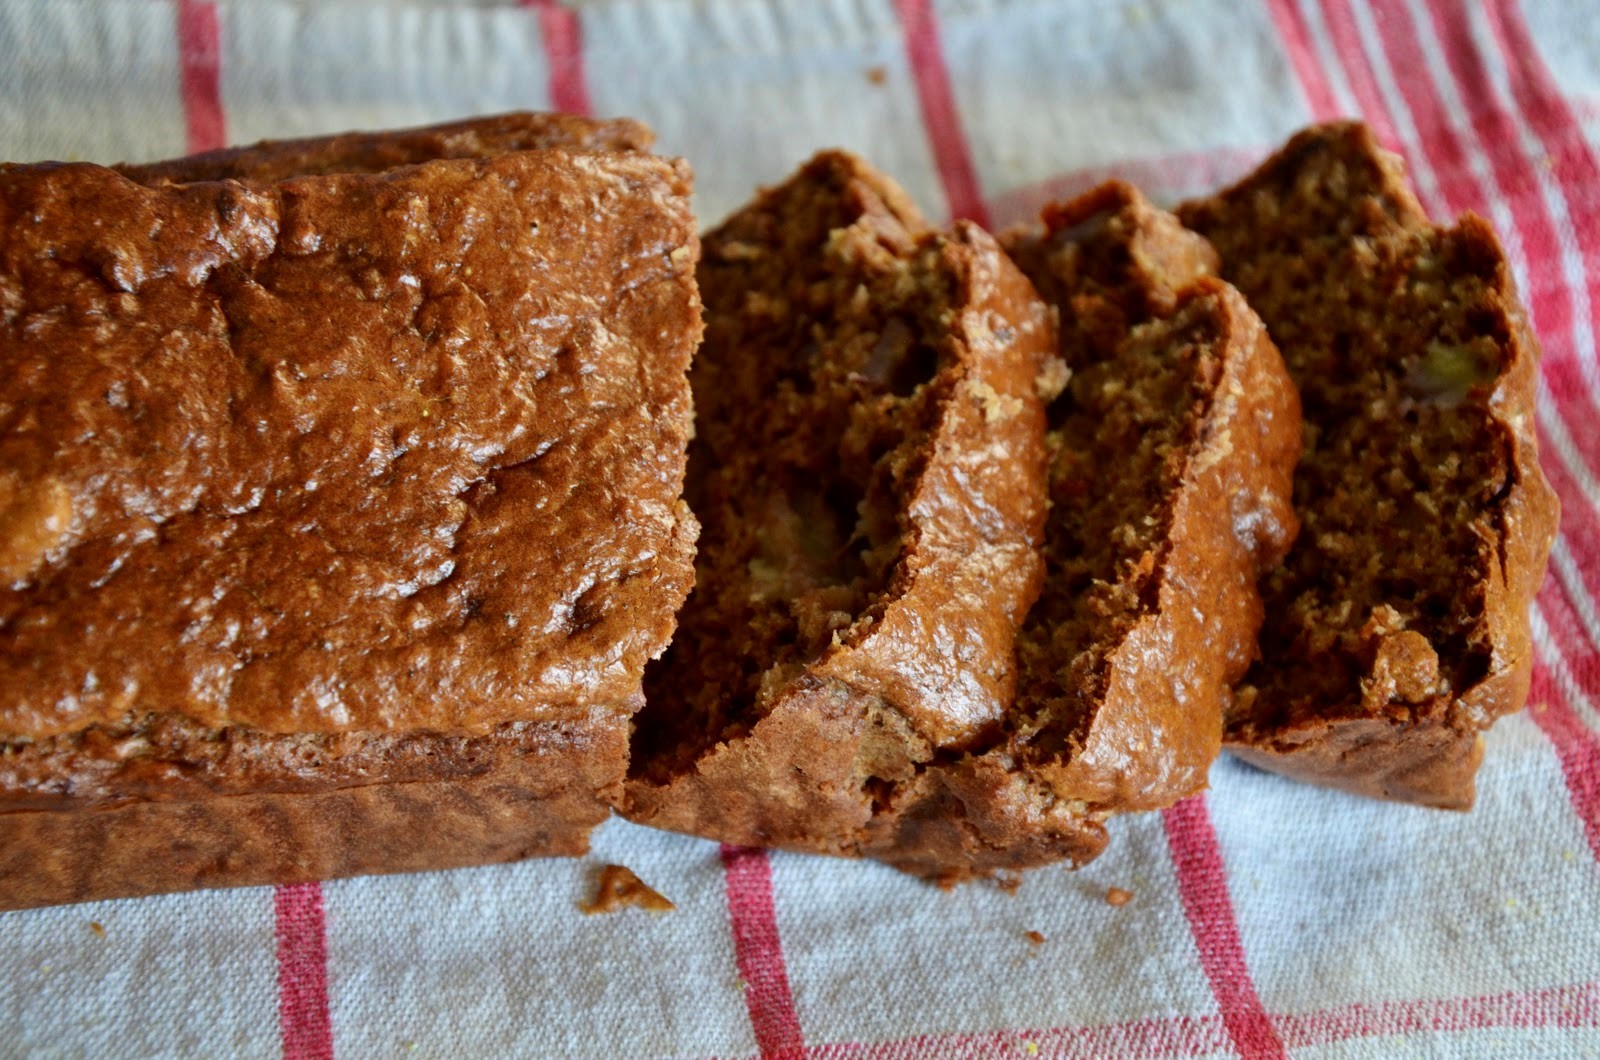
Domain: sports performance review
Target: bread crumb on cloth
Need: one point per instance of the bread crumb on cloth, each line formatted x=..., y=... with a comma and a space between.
x=619, y=888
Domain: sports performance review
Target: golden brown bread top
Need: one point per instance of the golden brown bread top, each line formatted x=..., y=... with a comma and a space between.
x=374, y=152
x=1397, y=628
x=379, y=453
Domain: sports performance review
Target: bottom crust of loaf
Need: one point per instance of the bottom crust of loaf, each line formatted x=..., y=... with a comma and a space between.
x=812, y=776
x=1428, y=756
x=1430, y=765
x=534, y=805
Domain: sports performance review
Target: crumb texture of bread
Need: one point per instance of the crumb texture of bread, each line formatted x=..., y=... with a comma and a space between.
x=1397, y=628
x=1171, y=448
x=1173, y=434
x=869, y=470
x=345, y=493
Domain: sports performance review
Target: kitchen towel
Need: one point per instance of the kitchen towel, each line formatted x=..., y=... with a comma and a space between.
x=1263, y=919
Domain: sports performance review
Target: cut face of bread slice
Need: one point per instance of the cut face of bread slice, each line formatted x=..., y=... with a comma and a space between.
x=1397, y=629
x=1167, y=470
x=374, y=152
x=341, y=515
x=869, y=473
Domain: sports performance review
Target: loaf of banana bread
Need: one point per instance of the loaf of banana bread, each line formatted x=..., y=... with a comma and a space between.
x=339, y=513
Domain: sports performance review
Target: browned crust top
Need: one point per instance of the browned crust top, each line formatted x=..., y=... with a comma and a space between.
x=441, y=494
x=374, y=152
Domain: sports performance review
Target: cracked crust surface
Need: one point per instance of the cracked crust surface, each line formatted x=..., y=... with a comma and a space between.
x=1397, y=628
x=308, y=457
x=339, y=482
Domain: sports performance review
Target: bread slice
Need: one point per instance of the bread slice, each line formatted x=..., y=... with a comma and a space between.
x=1171, y=448
x=1397, y=629
x=869, y=472
x=340, y=513
x=819, y=695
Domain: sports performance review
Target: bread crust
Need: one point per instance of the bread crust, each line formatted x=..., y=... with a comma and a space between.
x=375, y=152
x=542, y=801
x=438, y=606
x=1395, y=730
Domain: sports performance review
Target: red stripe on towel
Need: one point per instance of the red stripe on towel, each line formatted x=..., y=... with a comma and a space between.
x=1557, y=1007
x=1203, y=888
x=1295, y=35
x=1560, y=677
x=303, y=1017
x=562, y=34
x=758, y=950
x=200, y=76
x=1570, y=1006
x=940, y=118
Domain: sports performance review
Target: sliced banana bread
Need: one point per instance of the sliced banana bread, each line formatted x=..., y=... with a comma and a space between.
x=1171, y=447
x=827, y=690
x=869, y=473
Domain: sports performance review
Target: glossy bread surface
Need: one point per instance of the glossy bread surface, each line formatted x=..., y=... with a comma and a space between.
x=395, y=452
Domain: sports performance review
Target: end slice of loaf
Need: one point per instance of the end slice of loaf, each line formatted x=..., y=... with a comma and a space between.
x=1397, y=629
